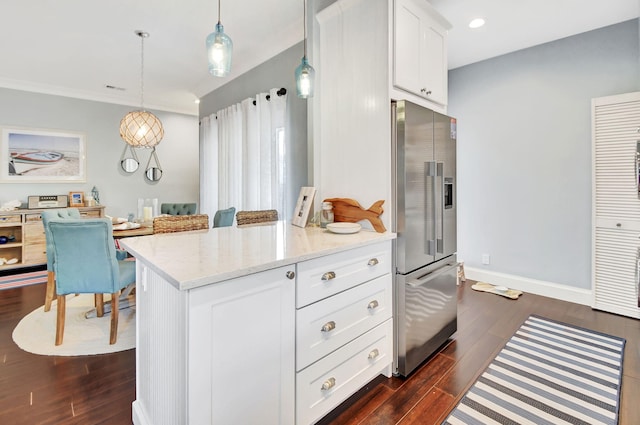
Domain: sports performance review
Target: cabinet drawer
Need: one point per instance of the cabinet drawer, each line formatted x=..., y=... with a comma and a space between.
x=344, y=316
x=34, y=254
x=34, y=233
x=322, y=277
x=10, y=219
x=90, y=214
x=345, y=371
x=32, y=217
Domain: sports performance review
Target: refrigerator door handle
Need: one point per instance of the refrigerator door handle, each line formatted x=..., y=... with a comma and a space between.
x=420, y=281
x=430, y=189
x=439, y=197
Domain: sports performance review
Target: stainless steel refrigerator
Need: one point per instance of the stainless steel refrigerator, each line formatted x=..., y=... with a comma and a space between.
x=425, y=264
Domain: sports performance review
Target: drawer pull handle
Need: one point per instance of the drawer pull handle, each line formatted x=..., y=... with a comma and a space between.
x=374, y=353
x=329, y=276
x=373, y=305
x=373, y=262
x=329, y=326
x=291, y=274
x=328, y=384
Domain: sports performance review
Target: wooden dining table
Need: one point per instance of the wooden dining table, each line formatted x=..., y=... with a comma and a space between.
x=140, y=231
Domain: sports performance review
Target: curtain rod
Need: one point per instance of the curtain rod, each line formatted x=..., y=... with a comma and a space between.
x=280, y=92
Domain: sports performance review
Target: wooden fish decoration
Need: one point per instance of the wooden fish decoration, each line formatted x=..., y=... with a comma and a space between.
x=350, y=211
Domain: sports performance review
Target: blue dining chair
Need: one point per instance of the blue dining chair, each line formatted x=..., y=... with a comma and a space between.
x=59, y=214
x=85, y=262
x=179, y=209
x=47, y=216
x=224, y=218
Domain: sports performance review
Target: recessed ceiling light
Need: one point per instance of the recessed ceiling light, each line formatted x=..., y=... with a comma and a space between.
x=476, y=23
x=197, y=101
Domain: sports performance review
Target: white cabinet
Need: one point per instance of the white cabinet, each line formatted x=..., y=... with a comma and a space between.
x=332, y=379
x=238, y=351
x=420, y=50
x=242, y=343
x=222, y=353
x=616, y=203
x=361, y=65
x=344, y=330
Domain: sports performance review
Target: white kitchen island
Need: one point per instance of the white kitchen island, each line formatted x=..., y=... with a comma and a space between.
x=267, y=324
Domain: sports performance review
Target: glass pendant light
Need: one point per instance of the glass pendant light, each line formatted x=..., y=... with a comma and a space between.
x=305, y=73
x=141, y=129
x=219, y=50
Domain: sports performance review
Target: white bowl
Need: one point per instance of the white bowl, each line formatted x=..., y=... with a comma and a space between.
x=343, y=227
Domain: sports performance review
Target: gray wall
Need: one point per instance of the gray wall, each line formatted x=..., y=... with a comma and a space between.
x=276, y=72
x=100, y=122
x=524, y=151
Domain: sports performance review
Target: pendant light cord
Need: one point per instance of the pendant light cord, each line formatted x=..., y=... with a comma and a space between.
x=304, y=25
x=142, y=36
x=219, y=20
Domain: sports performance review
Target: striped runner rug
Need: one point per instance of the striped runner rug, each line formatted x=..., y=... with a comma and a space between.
x=548, y=373
x=23, y=279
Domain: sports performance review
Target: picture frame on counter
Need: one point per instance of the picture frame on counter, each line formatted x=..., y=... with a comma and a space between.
x=303, y=206
x=76, y=199
x=42, y=156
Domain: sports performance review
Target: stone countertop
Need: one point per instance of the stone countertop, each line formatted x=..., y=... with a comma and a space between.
x=191, y=259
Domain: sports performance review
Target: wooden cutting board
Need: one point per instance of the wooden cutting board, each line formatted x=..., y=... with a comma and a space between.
x=350, y=211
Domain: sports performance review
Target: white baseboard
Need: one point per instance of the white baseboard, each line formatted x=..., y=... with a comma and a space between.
x=533, y=286
x=138, y=415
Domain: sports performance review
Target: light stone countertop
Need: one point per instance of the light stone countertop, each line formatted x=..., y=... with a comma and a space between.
x=192, y=259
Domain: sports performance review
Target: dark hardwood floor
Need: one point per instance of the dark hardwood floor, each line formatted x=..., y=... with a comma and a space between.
x=100, y=389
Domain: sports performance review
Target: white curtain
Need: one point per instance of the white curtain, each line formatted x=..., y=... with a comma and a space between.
x=208, y=166
x=243, y=151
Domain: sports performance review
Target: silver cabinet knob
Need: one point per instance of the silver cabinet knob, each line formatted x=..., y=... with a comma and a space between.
x=373, y=304
x=291, y=274
x=618, y=224
x=329, y=276
x=329, y=326
x=328, y=384
x=373, y=354
x=373, y=262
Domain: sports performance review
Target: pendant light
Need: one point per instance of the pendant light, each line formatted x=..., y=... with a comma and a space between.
x=141, y=129
x=305, y=73
x=219, y=50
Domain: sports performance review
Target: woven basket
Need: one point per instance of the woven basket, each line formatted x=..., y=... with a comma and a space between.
x=180, y=223
x=251, y=217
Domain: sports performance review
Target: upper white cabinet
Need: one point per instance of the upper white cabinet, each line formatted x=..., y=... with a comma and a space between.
x=366, y=53
x=420, y=50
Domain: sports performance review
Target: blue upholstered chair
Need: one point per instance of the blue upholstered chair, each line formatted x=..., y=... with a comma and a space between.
x=59, y=214
x=85, y=262
x=224, y=218
x=179, y=209
x=47, y=216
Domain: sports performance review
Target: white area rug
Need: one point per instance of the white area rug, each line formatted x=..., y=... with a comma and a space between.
x=36, y=332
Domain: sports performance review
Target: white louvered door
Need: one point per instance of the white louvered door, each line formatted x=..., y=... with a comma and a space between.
x=616, y=206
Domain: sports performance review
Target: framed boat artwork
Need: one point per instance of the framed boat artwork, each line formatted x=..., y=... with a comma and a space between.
x=42, y=156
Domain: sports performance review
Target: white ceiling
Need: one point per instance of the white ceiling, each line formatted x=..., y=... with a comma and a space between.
x=77, y=47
